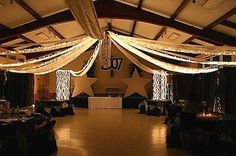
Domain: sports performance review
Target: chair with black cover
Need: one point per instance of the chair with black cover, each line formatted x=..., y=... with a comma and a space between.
x=44, y=142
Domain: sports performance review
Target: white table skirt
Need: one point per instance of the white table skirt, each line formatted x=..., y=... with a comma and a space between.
x=104, y=102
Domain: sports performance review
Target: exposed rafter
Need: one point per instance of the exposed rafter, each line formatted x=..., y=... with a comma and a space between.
x=133, y=28
x=222, y=18
x=28, y=9
x=14, y=37
x=172, y=18
x=229, y=24
x=189, y=41
x=135, y=21
x=63, y=16
x=158, y=35
x=37, y=16
x=8, y=39
x=56, y=33
x=113, y=9
x=218, y=21
x=179, y=9
x=109, y=26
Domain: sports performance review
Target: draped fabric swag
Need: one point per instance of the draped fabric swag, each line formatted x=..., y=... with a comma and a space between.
x=84, y=12
x=159, y=63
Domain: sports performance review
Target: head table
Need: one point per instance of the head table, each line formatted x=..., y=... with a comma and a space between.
x=104, y=102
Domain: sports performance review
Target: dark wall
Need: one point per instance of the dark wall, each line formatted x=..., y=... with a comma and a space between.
x=230, y=90
x=18, y=88
x=204, y=87
x=188, y=87
x=1, y=83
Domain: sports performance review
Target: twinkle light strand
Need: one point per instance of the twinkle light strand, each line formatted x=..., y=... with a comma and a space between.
x=133, y=59
x=50, y=47
x=68, y=53
x=164, y=65
x=89, y=63
x=179, y=57
x=58, y=62
x=183, y=48
x=42, y=58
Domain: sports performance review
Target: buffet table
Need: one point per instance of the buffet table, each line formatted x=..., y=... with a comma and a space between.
x=104, y=102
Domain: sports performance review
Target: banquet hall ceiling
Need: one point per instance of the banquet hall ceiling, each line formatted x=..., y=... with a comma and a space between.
x=23, y=21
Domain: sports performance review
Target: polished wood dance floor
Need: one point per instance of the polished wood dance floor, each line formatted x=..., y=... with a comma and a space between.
x=112, y=132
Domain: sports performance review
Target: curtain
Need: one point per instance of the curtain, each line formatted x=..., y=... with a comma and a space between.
x=84, y=12
x=182, y=86
x=1, y=84
x=204, y=87
x=19, y=89
x=195, y=88
x=229, y=93
x=210, y=88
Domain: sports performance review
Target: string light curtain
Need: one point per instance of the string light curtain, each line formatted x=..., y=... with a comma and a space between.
x=105, y=54
x=164, y=65
x=63, y=85
x=85, y=13
x=159, y=84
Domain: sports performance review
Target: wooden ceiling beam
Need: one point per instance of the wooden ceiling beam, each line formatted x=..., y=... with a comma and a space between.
x=217, y=21
x=135, y=21
x=179, y=9
x=38, y=17
x=13, y=37
x=109, y=26
x=229, y=24
x=133, y=28
x=28, y=9
x=113, y=9
x=222, y=18
x=172, y=18
x=63, y=16
x=158, y=35
x=56, y=33
x=189, y=40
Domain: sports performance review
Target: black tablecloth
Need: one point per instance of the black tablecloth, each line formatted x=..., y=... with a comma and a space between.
x=56, y=107
x=27, y=135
